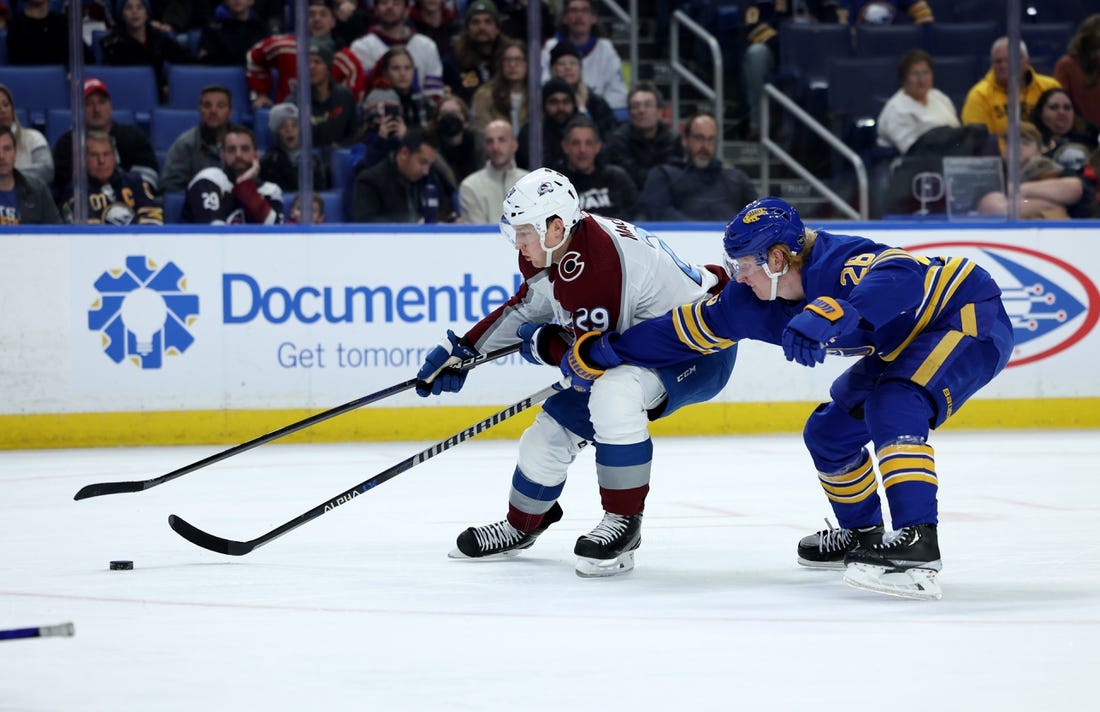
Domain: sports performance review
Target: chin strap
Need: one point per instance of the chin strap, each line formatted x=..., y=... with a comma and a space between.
x=774, y=278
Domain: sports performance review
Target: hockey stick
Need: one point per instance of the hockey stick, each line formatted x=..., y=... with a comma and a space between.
x=239, y=548
x=45, y=631
x=95, y=490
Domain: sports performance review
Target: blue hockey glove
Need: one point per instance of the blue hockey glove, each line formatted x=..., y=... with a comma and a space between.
x=810, y=332
x=590, y=356
x=536, y=342
x=436, y=375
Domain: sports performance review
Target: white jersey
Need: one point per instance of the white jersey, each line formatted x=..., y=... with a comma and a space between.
x=369, y=48
x=611, y=276
x=601, y=70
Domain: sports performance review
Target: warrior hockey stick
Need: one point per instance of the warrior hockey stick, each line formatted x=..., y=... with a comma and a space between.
x=239, y=548
x=44, y=631
x=95, y=490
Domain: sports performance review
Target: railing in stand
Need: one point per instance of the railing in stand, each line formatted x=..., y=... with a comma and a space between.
x=680, y=71
x=773, y=148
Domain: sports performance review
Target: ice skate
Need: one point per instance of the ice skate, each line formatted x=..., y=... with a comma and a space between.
x=608, y=550
x=500, y=540
x=905, y=564
x=826, y=549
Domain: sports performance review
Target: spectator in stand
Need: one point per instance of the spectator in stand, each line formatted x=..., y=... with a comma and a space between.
x=602, y=189
x=762, y=21
x=332, y=106
x=565, y=63
x=395, y=69
x=38, y=35
x=514, y=20
x=558, y=107
x=352, y=22
x=199, y=147
x=476, y=51
x=645, y=141
x=135, y=41
x=382, y=130
x=987, y=101
x=1078, y=70
x=279, y=164
x=234, y=29
x=1047, y=190
x=32, y=152
x=179, y=16
x=115, y=197
x=295, y=215
x=391, y=31
x=135, y=150
x=23, y=200
x=603, y=68
x=481, y=195
x=699, y=187
x=505, y=96
x=5, y=15
x=437, y=20
x=279, y=55
x=461, y=148
x=400, y=188
x=228, y=194
x=917, y=106
x=1065, y=138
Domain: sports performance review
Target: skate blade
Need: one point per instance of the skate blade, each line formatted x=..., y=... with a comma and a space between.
x=918, y=584
x=600, y=568
x=459, y=556
x=832, y=565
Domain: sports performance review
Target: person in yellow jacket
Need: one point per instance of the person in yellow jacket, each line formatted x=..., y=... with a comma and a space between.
x=987, y=101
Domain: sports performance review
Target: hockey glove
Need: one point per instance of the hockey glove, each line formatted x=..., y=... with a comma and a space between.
x=437, y=374
x=590, y=356
x=536, y=342
x=822, y=321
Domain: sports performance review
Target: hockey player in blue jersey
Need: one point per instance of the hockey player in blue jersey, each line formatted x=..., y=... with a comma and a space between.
x=929, y=331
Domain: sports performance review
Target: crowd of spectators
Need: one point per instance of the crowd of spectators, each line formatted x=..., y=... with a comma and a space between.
x=427, y=102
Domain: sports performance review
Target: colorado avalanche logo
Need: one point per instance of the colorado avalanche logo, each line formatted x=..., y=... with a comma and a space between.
x=1052, y=304
x=571, y=266
x=545, y=188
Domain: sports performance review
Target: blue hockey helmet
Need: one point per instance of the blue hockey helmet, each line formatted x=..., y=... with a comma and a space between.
x=761, y=224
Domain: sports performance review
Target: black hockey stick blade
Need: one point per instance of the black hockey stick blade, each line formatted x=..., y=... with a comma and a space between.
x=230, y=547
x=102, y=488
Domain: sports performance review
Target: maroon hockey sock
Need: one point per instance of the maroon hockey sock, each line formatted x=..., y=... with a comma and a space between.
x=626, y=502
x=524, y=521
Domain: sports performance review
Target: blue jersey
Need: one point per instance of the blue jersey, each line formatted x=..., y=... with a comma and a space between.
x=898, y=296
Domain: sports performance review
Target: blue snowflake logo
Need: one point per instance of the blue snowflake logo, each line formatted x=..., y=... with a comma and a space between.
x=143, y=313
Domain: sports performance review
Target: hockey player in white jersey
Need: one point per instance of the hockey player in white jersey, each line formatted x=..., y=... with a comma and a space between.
x=582, y=274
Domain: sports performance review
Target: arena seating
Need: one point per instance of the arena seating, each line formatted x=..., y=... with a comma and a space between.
x=185, y=81
x=37, y=89
x=133, y=88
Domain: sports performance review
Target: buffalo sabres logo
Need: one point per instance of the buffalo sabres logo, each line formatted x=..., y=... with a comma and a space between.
x=571, y=266
x=753, y=215
x=545, y=188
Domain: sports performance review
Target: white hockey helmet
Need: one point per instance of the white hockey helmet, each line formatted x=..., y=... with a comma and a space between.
x=537, y=197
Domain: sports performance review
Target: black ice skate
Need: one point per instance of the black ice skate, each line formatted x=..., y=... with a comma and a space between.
x=904, y=564
x=500, y=539
x=608, y=549
x=826, y=549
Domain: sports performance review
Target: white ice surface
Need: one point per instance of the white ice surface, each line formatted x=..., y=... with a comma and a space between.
x=361, y=609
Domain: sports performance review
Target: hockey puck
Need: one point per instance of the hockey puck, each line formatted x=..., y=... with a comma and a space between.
x=122, y=565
